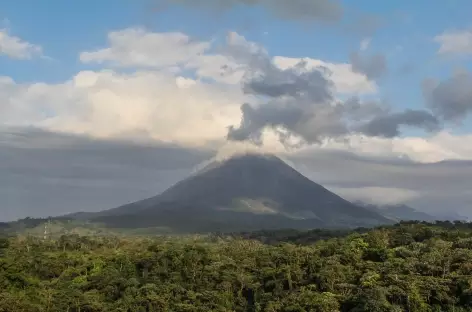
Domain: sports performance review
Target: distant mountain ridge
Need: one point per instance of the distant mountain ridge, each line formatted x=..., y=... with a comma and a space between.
x=402, y=212
x=245, y=192
x=399, y=212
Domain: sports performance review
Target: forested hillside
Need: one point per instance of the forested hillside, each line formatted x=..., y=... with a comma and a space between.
x=407, y=267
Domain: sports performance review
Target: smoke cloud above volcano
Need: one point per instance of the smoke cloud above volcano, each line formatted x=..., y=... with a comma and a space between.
x=300, y=104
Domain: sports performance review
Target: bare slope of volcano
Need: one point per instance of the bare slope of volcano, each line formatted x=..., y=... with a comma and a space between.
x=244, y=192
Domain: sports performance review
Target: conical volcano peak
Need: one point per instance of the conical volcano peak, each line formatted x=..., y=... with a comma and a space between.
x=245, y=160
x=258, y=162
x=233, y=149
x=251, y=155
x=249, y=190
x=250, y=159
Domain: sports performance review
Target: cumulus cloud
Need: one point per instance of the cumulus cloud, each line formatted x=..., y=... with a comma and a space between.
x=458, y=42
x=288, y=101
x=388, y=125
x=108, y=104
x=166, y=102
x=291, y=94
x=450, y=99
x=299, y=10
x=374, y=66
x=45, y=173
x=300, y=102
x=16, y=47
x=345, y=80
x=439, y=147
x=137, y=47
x=173, y=51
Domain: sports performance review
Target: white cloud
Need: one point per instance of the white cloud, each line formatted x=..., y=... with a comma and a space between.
x=169, y=108
x=136, y=47
x=183, y=82
x=455, y=42
x=107, y=103
x=442, y=146
x=17, y=48
x=376, y=195
x=175, y=51
x=218, y=68
x=164, y=104
x=344, y=79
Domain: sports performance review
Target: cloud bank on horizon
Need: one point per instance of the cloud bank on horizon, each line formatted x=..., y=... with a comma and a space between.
x=335, y=88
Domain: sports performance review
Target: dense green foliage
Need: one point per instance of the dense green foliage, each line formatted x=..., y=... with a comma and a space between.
x=408, y=267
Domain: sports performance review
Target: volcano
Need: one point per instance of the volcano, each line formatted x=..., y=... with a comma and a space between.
x=246, y=192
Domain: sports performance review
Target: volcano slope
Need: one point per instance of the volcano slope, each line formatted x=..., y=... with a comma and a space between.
x=246, y=192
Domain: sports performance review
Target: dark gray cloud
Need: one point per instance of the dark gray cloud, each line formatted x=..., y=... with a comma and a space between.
x=301, y=103
x=288, y=120
x=298, y=101
x=324, y=10
x=254, y=120
x=299, y=10
x=373, y=66
x=362, y=24
x=451, y=99
x=364, y=110
x=44, y=174
x=389, y=125
x=294, y=82
x=438, y=187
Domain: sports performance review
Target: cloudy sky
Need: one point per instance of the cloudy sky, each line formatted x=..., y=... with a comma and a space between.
x=103, y=103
